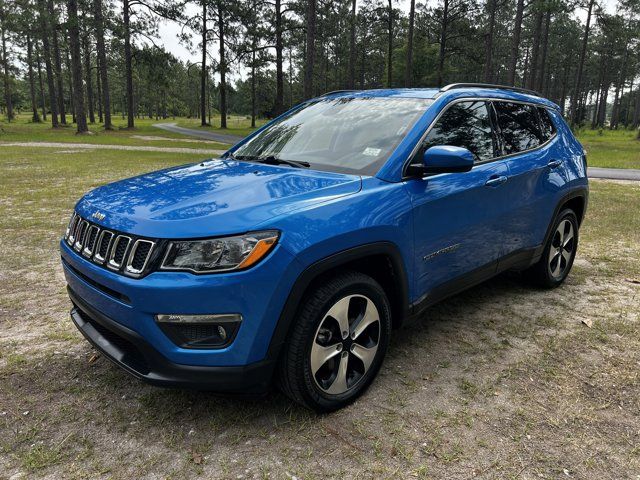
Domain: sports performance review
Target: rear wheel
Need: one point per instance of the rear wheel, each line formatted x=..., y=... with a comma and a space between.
x=559, y=252
x=338, y=342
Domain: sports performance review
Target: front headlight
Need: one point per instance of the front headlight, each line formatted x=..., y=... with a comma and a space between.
x=219, y=254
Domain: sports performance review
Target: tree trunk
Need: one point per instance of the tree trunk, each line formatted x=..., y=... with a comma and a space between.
x=583, y=52
x=57, y=62
x=7, y=83
x=102, y=63
x=43, y=103
x=563, y=92
x=70, y=80
x=278, y=106
x=203, y=68
x=223, y=68
x=99, y=93
x=629, y=103
x=253, y=86
x=408, y=74
x=76, y=66
x=351, y=82
x=488, y=64
x=515, y=43
x=390, y=46
x=310, y=48
x=443, y=42
x=636, y=110
x=545, y=47
x=32, y=86
x=535, y=52
x=45, y=30
x=88, y=77
x=127, y=61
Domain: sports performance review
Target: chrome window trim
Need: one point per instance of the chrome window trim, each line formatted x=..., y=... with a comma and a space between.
x=86, y=251
x=418, y=145
x=134, y=271
x=114, y=265
x=96, y=256
x=81, y=233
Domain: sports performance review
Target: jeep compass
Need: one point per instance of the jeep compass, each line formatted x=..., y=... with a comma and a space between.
x=291, y=259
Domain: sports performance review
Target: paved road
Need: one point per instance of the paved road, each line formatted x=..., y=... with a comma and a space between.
x=68, y=147
x=614, y=173
x=215, y=136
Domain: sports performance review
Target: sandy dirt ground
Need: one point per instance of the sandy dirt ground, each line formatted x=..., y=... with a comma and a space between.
x=501, y=381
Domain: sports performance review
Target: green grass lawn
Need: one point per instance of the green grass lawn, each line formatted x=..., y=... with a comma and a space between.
x=611, y=148
x=23, y=130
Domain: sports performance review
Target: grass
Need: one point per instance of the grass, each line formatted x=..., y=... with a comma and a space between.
x=23, y=130
x=501, y=381
x=611, y=148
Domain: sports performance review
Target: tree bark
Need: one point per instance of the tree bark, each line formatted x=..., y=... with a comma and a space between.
x=390, y=46
x=545, y=47
x=535, y=52
x=88, y=77
x=99, y=93
x=203, y=68
x=32, y=87
x=253, y=86
x=583, y=52
x=488, y=64
x=45, y=30
x=43, y=103
x=278, y=106
x=443, y=41
x=310, y=48
x=102, y=63
x=76, y=66
x=57, y=62
x=408, y=74
x=515, y=43
x=223, y=67
x=128, y=66
x=7, y=83
x=351, y=82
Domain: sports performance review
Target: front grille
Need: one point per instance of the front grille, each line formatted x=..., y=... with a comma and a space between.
x=125, y=254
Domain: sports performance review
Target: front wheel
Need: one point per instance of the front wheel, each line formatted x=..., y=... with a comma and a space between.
x=559, y=252
x=338, y=342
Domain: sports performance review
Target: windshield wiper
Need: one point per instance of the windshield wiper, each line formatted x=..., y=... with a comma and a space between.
x=273, y=160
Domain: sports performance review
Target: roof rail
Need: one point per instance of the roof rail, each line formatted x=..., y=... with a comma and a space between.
x=338, y=91
x=453, y=86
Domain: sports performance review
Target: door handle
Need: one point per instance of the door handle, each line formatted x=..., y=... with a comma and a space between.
x=495, y=181
x=554, y=163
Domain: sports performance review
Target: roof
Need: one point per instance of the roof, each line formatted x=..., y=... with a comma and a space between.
x=459, y=91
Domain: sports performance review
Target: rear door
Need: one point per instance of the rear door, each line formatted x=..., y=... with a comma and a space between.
x=528, y=142
x=458, y=217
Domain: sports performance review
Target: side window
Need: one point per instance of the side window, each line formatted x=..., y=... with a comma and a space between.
x=464, y=124
x=518, y=124
x=546, y=124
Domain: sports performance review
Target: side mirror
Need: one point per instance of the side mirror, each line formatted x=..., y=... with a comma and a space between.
x=443, y=159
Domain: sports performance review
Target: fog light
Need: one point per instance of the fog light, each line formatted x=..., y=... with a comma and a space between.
x=200, y=331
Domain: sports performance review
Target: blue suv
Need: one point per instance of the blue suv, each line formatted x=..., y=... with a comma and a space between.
x=294, y=256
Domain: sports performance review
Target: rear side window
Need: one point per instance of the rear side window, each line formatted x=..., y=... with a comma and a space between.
x=464, y=124
x=519, y=127
x=546, y=124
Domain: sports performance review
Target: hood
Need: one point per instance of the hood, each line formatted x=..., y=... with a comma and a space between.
x=216, y=197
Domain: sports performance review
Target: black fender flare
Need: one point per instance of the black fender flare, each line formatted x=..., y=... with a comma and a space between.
x=319, y=267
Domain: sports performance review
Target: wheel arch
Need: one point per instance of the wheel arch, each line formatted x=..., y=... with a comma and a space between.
x=380, y=260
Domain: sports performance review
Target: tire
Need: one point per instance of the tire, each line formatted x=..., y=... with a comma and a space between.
x=558, y=254
x=323, y=369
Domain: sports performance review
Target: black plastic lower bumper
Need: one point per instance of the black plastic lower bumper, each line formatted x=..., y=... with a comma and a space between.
x=130, y=351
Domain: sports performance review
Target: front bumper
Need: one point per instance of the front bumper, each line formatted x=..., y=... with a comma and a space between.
x=130, y=351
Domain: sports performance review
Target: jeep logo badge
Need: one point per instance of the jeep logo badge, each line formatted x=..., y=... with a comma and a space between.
x=98, y=215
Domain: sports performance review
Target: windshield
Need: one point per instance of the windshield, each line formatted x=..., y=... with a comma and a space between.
x=350, y=135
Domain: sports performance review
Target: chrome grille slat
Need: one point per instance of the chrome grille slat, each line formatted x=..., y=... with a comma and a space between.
x=71, y=238
x=120, y=244
x=132, y=266
x=91, y=238
x=104, y=240
x=81, y=231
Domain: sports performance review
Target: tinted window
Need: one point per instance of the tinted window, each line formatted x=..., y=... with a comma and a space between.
x=546, y=124
x=519, y=126
x=464, y=124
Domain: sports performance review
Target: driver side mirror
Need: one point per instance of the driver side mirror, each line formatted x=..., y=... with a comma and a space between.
x=442, y=159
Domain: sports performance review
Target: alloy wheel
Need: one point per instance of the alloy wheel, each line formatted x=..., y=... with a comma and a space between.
x=561, y=250
x=345, y=344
